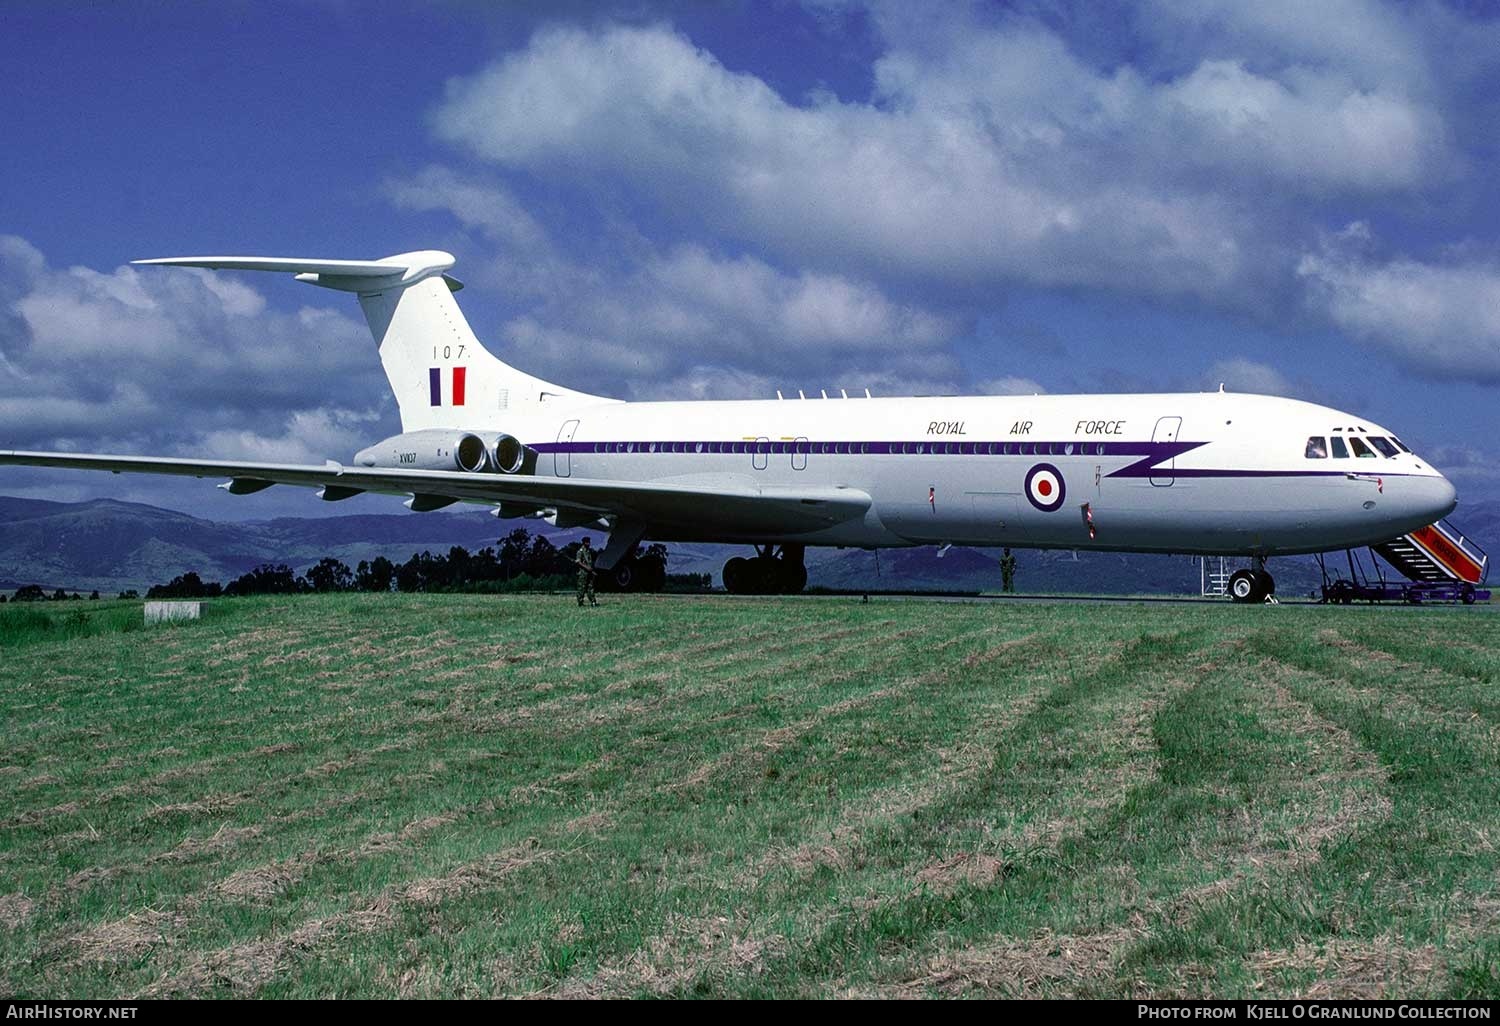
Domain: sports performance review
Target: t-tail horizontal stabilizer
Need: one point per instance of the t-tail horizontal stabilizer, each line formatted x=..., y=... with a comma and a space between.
x=344, y=275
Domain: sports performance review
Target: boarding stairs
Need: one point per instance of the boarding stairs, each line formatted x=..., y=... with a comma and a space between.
x=1214, y=572
x=1436, y=554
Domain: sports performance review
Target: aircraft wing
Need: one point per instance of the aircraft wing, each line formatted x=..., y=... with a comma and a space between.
x=728, y=504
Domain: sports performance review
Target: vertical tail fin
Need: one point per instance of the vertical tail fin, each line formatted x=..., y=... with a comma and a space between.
x=439, y=372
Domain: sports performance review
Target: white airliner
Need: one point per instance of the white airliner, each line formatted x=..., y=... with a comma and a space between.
x=1209, y=473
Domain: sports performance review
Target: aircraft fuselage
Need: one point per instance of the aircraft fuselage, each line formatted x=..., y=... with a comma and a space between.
x=1211, y=473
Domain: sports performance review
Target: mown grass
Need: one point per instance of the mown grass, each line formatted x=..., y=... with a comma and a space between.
x=27, y=623
x=473, y=796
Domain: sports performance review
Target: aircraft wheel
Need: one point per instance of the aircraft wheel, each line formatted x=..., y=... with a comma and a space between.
x=766, y=572
x=1267, y=583
x=793, y=579
x=1244, y=587
x=1467, y=595
x=626, y=576
x=737, y=575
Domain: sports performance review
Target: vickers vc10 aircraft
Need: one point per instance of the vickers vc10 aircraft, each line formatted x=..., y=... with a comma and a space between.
x=1209, y=474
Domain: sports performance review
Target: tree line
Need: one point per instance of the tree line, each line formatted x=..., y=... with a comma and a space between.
x=520, y=562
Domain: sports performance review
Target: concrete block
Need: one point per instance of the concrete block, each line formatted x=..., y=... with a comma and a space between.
x=156, y=612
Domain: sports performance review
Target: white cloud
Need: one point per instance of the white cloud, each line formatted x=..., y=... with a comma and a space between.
x=1244, y=375
x=485, y=206
x=1440, y=320
x=1000, y=155
x=1375, y=42
x=1009, y=386
x=1308, y=129
x=158, y=360
x=920, y=181
x=309, y=436
x=639, y=321
x=686, y=309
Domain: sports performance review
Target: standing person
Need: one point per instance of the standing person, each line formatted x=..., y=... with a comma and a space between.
x=585, y=560
x=1007, y=573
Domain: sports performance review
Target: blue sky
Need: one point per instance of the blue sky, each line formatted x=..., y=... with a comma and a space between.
x=719, y=200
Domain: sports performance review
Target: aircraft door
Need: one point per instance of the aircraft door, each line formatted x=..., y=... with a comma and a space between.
x=760, y=453
x=800, y=445
x=562, y=459
x=1167, y=430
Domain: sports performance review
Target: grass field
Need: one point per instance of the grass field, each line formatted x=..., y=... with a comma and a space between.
x=473, y=796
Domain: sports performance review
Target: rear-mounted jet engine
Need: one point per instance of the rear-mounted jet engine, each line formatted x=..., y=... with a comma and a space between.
x=434, y=449
x=444, y=449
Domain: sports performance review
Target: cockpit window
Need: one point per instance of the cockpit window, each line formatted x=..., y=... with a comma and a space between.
x=1400, y=444
x=1361, y=449
x=1317, y=448
x=1385, y=447
x=1340, y=450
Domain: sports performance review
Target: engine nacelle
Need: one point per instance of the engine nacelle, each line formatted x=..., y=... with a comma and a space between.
x=433, y=449
x=508, y=455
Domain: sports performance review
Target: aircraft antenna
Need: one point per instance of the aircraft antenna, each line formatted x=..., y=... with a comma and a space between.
x=824, y=391
x=844, y=393
x=778, y=393
x=800, y=394
x=868, y=395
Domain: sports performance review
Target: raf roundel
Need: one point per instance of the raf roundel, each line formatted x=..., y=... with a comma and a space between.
x=1045, y=488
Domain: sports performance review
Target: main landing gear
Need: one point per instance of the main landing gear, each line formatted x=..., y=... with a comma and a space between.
x=1253, y=585
x=634, y=573
x=771, y=572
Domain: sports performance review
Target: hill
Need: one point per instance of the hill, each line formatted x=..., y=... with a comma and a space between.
x=109, y=545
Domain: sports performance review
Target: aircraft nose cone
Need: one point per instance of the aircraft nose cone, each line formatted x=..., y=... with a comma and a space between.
x=1439, y=496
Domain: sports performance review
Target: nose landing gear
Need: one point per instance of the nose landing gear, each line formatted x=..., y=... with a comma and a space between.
x=771, y=572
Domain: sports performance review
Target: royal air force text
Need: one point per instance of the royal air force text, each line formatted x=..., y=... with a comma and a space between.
x=1023, y=427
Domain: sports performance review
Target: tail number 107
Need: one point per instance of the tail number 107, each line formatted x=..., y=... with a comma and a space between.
x=448, y=353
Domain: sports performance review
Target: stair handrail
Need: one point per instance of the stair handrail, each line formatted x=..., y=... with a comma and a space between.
x=1470, y=549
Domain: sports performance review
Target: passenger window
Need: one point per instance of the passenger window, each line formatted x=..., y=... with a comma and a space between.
x=1317, y=448
x=1361, y=449
x=1340, y=450
x=1386, y=448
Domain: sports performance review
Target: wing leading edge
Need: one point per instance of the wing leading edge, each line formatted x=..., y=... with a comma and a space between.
x=728, y=506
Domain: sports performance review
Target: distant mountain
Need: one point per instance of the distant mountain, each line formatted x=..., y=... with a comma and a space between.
x=109, y=546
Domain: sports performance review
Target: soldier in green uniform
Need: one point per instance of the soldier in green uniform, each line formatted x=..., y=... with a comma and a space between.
x=585, y=561
x=1007, y=572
